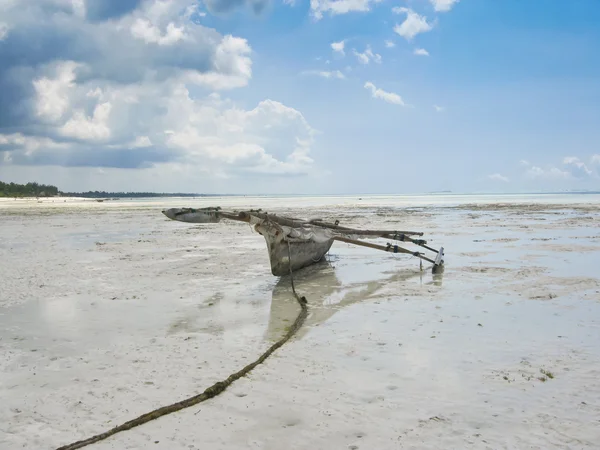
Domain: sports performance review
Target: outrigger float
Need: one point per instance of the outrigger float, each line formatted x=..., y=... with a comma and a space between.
x=306, y=242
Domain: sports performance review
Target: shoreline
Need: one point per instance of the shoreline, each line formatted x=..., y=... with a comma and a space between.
x=475, y=202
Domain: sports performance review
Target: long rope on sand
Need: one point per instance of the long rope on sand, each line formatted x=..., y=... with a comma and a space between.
x=210, y=392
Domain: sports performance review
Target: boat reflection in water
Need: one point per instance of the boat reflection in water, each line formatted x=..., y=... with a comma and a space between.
x=326, y=295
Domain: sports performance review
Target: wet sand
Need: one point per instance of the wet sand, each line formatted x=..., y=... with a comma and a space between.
x=109, y=310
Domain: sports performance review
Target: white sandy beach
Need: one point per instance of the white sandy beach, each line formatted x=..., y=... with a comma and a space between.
x=109, y=310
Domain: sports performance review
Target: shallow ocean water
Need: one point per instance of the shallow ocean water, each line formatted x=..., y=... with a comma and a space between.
x=108, y=310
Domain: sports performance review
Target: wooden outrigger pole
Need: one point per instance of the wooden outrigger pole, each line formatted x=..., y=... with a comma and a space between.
x=385, y=248
x=309, y=240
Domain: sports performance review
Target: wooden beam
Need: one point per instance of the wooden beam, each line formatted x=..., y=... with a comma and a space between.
x=390, y=248
x=379, y=233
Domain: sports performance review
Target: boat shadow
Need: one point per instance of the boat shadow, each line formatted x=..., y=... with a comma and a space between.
x=326, y=295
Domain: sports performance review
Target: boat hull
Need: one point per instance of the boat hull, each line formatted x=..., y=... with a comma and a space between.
x=303, y=253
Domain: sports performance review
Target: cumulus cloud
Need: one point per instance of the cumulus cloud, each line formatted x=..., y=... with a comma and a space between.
x=389, y=97
x=107, y=84
x=439, y=108
x=443, y=5
x=573, y=168
x=389, y=44
x=51, y=99
x=576, y=167
x=151, y=34
x=367, y=56
x=232, y=67
x=154, y=36
x=89, y=128
x=27, y=144
x=336, y=7
x=141, y=142
x=271, y=138
x=498, y=177
x=140, y=126
x=550, y=173
x=421, y=52
x=153, y=42
x=413, y=24
x=339, y=47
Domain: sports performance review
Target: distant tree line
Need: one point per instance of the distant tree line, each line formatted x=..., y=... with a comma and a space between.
x=27, y=190
x=104, y=194
x=46, y=190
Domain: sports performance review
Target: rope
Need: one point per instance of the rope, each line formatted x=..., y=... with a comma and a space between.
x=210, y=392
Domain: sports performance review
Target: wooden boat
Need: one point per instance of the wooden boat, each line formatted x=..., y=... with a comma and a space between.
x=202, y=215
x=296, y=243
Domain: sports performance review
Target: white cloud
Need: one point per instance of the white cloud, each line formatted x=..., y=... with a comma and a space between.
x=443, y=5
x=339, y=47
x=143, y=29
x=362, y=57
x=141, y=142
x=52, y=99
x=573, y=169
x=498, y=177
x=389, y=44
x=128, y=95
x=412, y=25
x=524, y=162
x=336, y=7
x=232, y=66
x=117, y=96
x=389, y=97
x=28, y=144
x=576, y=168
x=192, y=11
x=153, y=41
x=94, y=128
x=439, y=108
x=551, y=173
x=272, y=138
x=421, y=52
x=326, y=74
x=168, y=127
x=367, y=56
x=596, y=159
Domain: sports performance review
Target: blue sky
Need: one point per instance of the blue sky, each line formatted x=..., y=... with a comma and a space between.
x=262, y=97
